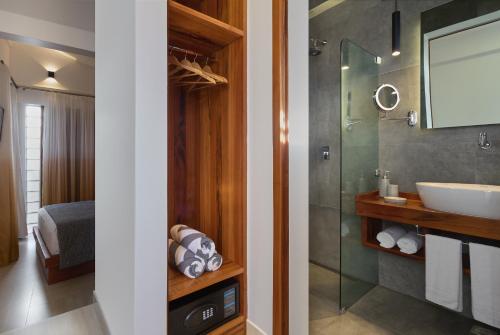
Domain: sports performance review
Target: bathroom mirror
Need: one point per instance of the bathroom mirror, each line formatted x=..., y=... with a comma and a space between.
x=461, y=65
x=386, y=97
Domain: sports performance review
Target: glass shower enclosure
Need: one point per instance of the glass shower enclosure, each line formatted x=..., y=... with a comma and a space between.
x=359, y=160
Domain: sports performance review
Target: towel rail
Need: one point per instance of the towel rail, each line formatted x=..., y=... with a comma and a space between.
x=423, y=235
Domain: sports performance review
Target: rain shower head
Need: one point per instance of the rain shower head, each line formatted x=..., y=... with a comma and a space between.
x=316, y=46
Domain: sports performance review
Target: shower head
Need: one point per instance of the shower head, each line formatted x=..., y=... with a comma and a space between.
x=316, y=46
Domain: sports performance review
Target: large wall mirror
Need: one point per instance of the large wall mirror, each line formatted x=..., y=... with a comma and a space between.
x=461, y=64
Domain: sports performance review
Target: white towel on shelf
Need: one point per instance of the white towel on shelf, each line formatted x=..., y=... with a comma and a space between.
x=410, y=243
x=485, y=283
x=390, y=236
x=444, y=272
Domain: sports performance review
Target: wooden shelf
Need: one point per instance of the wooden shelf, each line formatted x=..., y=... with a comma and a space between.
x=419, y=256
x=196, y=31
x=414, y=213
x=179, y=285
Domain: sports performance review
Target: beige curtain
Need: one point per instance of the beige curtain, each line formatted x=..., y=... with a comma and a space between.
x=9, y=249
x=68, y=149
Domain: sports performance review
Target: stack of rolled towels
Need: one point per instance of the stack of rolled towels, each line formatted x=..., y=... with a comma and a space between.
x=192, y=252
x=407, y=241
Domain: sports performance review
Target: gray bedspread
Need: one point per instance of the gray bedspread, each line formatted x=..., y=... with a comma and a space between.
x=75, y=223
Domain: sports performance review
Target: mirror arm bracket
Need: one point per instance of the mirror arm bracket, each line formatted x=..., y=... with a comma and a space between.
x=412, y=119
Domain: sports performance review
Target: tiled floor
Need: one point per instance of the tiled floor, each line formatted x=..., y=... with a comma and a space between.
x=379, y=312
x=82, y=321
x=25, y=297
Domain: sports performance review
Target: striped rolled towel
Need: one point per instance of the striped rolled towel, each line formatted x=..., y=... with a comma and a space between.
x=214, y=263
x=201, y=245
x=185, y=260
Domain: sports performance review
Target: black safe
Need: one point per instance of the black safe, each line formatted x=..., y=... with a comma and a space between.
x=203, y=311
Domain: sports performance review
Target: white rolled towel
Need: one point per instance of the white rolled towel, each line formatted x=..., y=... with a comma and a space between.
x=390, y=236
x=194, y=240
x=185, y=260
x=410, y=243
x=214, y=263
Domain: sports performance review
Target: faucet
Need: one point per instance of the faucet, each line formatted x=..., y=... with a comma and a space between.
x=483, y=141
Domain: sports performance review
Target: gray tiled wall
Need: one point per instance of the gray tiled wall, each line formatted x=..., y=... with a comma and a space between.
x=411, y=154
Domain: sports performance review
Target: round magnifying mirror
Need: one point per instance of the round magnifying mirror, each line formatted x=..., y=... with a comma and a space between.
x=386, y=97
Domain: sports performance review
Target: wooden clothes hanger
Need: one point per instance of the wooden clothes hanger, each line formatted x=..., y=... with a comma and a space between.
x=185, y=73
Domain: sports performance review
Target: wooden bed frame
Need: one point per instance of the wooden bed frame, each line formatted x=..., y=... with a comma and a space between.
x=50, y=263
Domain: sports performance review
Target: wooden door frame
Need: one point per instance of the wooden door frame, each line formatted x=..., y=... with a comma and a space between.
x=280, y=169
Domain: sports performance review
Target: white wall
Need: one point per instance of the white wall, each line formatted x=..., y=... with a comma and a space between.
x=131, y=168
x=260, y=165
x=5, y=52
x=298, y=76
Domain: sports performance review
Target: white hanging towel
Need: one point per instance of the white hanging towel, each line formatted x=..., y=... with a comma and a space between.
x=443, y=272
x=485, y=283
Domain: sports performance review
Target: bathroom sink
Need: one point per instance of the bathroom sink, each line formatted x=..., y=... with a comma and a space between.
x=466, y=199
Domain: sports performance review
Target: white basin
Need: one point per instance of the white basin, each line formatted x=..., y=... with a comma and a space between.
x=466, y=199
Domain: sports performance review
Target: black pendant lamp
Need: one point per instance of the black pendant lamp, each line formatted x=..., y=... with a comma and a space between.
x=396, y=30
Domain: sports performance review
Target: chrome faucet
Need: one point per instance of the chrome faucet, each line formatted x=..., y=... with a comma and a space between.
x=483, y=141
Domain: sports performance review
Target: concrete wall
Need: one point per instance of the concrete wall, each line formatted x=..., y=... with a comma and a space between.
x=411, y=154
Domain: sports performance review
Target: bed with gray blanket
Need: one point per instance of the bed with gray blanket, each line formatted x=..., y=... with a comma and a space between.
x=67, y=234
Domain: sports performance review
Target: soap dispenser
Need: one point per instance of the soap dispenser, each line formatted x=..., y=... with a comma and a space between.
x=383, y=184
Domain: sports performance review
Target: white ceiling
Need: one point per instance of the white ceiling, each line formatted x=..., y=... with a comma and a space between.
x=74, y=13
x=51, y=58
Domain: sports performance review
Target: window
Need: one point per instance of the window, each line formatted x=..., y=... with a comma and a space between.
x=33, y=122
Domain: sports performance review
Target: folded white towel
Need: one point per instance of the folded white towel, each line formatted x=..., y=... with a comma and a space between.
x=443, y=271
x=410, y=243
x=485, y=283
x=390, y=236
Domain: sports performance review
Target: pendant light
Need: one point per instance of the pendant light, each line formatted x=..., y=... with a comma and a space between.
x=396, y=30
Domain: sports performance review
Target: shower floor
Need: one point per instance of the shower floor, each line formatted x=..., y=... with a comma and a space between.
x=379, y=312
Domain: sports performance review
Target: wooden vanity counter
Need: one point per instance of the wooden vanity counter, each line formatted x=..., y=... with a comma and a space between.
x=370, y=205
x=373, y=211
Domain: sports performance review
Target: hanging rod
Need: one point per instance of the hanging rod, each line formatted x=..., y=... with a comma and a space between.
x=423, y=235
x=189, y=52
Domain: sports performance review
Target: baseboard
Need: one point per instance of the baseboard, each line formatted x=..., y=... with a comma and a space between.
x=100, y=314
x=253, y=329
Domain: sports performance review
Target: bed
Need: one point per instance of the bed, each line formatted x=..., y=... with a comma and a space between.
x=65, y=242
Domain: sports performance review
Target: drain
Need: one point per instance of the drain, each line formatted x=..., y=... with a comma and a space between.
x=478, y=330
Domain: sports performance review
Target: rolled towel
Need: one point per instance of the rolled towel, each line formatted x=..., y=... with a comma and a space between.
x=185, y=260
x=214, y=263
x=201, y=245
x=410, y=243
x=390, y=236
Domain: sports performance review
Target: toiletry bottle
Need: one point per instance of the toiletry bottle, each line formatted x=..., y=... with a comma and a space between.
x=383, y=184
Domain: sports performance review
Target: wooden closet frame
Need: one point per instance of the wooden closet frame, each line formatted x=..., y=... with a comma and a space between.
x=280, y=169
x=207, y=162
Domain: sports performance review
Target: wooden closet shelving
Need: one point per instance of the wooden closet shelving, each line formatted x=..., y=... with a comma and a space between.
x=193, y=29
x=207, y=139
x=180, y=285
